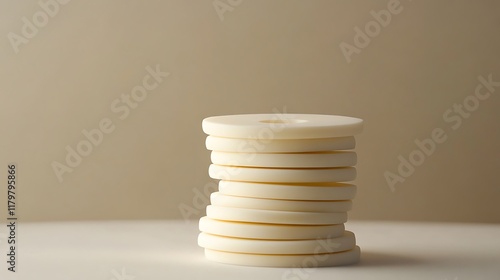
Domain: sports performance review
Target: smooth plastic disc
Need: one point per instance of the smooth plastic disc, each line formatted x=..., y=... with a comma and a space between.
x=236, y=145
x=219, y=199
x=282, y=175
x=269, y=231
x=282, y=126
x=295, y=160
x=277, y=247
x=300, y=262
x=274, y=217
x=327, y=191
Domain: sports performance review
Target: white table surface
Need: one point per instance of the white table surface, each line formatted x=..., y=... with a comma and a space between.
x=144, y=250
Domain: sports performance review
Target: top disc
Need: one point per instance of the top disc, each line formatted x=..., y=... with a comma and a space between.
x=282, y=126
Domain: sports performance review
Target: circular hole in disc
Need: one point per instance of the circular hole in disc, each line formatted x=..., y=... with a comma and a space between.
x=284, y=121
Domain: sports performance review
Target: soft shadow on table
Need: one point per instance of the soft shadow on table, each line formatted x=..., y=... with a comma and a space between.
x=388, y=259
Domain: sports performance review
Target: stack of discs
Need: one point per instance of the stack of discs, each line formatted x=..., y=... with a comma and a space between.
x=282, y=199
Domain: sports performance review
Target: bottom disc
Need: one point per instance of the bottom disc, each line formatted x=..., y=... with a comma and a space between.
x=304, y=261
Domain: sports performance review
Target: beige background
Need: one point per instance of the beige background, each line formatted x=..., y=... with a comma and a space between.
x=263, y=55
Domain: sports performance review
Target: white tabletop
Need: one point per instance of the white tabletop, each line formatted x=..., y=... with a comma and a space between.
x=147, y=250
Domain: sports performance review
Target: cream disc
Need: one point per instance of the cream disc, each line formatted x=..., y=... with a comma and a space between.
x=281, y=175
x=282, y=126
x=274, y=217
x=295, y=261
x=277, y=247
x=269, y=231
x=236, y=145
x=219, y=199
x=295, y=160
x=327, y=191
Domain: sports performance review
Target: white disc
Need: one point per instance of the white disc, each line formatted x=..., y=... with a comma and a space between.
x=274, y=217
x=219, y=199
x=269, y=231
x=283, y=126
x=295, y=261
x=277, y=247
x=331, y=191
x=295, y=160
x=282, y=175
x=236, y=145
